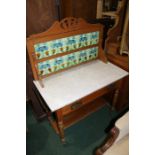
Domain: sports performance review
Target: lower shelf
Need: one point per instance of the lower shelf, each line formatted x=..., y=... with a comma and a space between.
x=84, y=111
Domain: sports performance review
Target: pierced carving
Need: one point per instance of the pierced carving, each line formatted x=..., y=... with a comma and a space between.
x=69, y=22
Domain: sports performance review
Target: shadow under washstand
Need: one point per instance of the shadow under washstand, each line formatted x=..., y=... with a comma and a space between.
x=36, y=139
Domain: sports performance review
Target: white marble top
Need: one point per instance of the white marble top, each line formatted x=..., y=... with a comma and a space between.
x=66, y=87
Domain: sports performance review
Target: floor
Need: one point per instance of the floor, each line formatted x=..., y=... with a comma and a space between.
x=81, y=139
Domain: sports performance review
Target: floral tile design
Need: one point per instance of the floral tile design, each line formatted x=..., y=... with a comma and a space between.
x=59, y=63
x=43, y=50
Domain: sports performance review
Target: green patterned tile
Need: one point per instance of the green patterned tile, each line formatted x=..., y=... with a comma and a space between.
x=60, y=63
x=53, y=47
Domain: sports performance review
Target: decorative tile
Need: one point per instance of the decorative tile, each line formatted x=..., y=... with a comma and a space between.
x=66, y=61
x=43, y=50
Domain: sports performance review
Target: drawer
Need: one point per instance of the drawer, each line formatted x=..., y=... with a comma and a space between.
x=72, y=107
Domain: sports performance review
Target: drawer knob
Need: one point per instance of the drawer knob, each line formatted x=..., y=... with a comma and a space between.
x=76, y=105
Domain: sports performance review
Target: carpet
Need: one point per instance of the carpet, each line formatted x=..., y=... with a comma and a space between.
x=81, y=139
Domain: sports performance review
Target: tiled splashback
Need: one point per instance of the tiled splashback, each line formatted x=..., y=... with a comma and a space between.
x=43, y=50
x=59, y=63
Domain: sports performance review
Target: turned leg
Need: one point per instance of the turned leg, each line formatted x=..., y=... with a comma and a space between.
x=115, y=98
x=116, y=94
x=61, y=130
x=60, y=125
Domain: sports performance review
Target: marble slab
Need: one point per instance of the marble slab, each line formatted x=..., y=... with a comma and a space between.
x=66, y=87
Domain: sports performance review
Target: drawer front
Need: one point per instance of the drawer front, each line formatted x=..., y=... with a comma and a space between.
x=72, y=107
